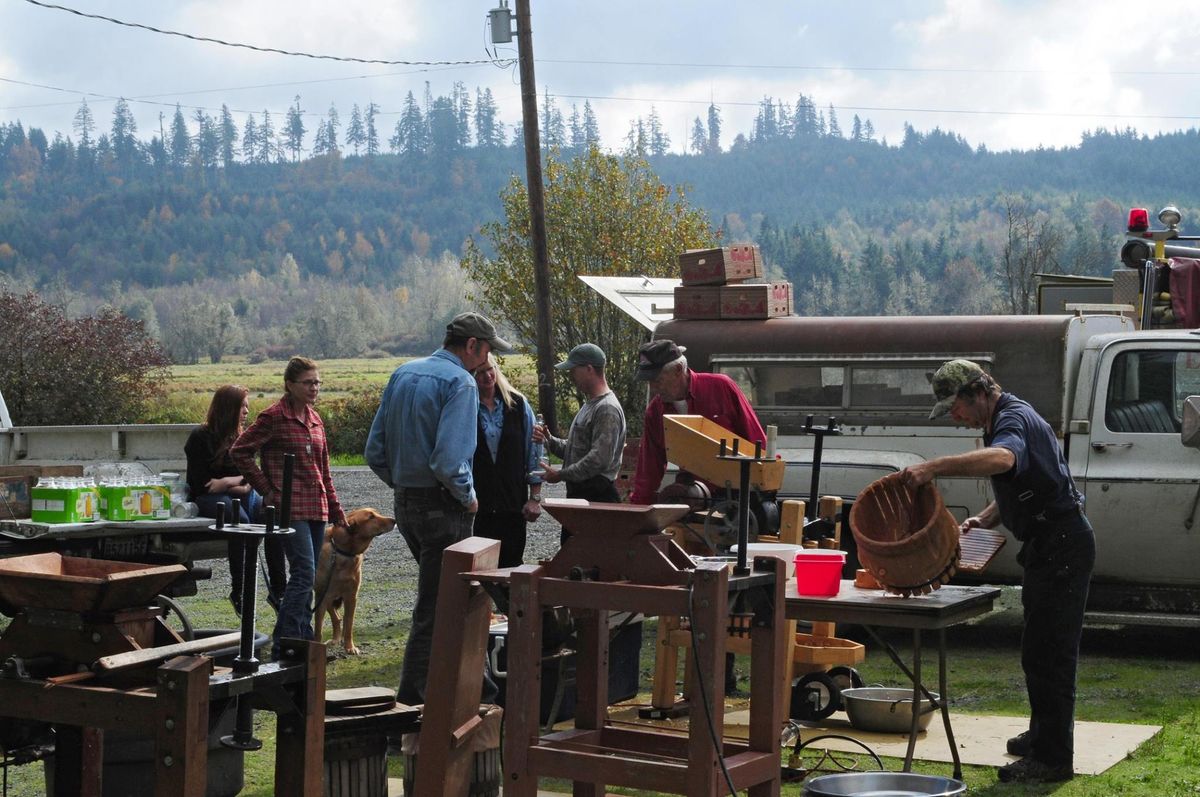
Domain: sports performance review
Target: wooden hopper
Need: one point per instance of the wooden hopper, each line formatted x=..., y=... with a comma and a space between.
x=694, y=443
x=77, y=584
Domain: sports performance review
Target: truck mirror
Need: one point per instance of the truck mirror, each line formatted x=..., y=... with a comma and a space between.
x=1190, y=435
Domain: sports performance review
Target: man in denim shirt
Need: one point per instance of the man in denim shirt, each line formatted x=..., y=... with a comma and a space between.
x=421, y=444
x=1035, y=497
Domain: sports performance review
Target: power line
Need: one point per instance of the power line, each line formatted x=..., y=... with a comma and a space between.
x=147, y=98
x=256, y=48
x=853, y=68
x=880, y=109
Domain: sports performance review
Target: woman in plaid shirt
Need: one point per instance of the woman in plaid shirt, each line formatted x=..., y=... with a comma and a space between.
x=292, y=426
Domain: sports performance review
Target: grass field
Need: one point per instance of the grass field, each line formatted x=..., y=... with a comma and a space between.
x=191, y=386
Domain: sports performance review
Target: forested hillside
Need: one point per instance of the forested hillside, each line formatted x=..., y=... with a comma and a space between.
x=212, y=217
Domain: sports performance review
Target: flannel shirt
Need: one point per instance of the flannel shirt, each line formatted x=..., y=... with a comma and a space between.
x=280, y=429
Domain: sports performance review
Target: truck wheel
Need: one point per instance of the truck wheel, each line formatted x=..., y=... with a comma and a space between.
x=814, y=697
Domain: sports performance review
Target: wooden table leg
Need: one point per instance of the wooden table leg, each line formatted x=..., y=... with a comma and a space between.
x=770, y=657
x=591, y=681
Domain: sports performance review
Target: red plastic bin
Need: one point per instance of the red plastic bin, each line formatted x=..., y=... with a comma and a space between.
x=819, y=572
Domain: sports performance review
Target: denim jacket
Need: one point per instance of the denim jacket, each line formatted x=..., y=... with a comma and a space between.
x=424, y=433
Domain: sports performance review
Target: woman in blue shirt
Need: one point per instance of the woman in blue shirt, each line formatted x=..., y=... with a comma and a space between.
x=506, y=459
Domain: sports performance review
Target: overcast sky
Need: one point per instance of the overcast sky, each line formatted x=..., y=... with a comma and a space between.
x=1010, y=74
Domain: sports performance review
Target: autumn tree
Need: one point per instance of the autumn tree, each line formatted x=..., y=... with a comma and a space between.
x=54, y=369
x=609, y=216
x=1032, y=246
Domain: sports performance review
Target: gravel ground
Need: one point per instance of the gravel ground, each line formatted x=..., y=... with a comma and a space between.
x=388, y=558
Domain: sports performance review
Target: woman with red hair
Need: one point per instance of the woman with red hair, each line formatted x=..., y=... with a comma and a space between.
x=213, y=479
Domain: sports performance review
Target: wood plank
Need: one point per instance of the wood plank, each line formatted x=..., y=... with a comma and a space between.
x=139, y=658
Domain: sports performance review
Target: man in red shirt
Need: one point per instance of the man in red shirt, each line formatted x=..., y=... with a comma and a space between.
x=678, y=390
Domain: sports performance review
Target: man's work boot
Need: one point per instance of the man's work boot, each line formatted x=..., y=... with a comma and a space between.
x=1021, y=744
x=1030, y=770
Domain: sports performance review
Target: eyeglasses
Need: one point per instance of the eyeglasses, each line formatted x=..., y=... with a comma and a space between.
x=307, y=382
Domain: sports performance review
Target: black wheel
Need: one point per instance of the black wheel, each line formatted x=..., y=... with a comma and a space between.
x=176, y=617
x=845, y=678
x=814, y=697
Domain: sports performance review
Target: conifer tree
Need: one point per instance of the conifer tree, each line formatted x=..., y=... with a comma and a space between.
x=250, y=140
x=266, y=139
x=372, y=132
x=355, y=131
x=714, y=129
x=591, y=128
x=229, y=137
x=181, y=140
x=294, y=130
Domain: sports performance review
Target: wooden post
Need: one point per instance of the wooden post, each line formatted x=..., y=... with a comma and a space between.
x=460, y=638
x=300, y=733
x=537, y=217
x=181, y=727
x=710, y=617
x=522, y=716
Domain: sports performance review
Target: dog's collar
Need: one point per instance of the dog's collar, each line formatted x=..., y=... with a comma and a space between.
x=337, y=550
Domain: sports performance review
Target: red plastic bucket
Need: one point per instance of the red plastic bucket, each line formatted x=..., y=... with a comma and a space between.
x=819, y=572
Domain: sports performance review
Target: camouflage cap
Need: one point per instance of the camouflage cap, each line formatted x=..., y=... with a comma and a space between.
x=948, y=381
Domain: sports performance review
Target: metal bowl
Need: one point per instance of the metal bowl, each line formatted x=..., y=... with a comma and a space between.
x=885, y=710
x=883, y=784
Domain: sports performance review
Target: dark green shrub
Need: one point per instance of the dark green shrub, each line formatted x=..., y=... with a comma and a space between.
x=348, y=420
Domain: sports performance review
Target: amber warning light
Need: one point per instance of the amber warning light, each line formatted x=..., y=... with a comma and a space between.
x=1139, y=220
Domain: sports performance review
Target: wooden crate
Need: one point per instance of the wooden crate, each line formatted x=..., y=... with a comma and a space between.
x=14, y=496
x=759, y=300
x=828, y=650
x=698, y=303
x=728, y=264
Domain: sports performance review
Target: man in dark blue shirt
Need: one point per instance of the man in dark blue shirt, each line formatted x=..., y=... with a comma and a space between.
x=1035, y=497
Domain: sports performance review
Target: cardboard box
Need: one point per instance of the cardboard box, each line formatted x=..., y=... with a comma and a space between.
x=729, y=264
x=14, y=496
x=698, y=303
x=63, y=504
x=760, y=300
x=138, y=502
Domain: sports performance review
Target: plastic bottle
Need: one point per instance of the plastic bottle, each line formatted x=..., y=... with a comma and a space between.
x=540, y=448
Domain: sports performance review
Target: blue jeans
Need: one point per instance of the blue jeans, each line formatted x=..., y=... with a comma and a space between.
x=295, y=612
x=430, y=524
x=251, y=503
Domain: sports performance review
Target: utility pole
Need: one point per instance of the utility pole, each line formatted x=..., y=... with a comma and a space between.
x=537, y=217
